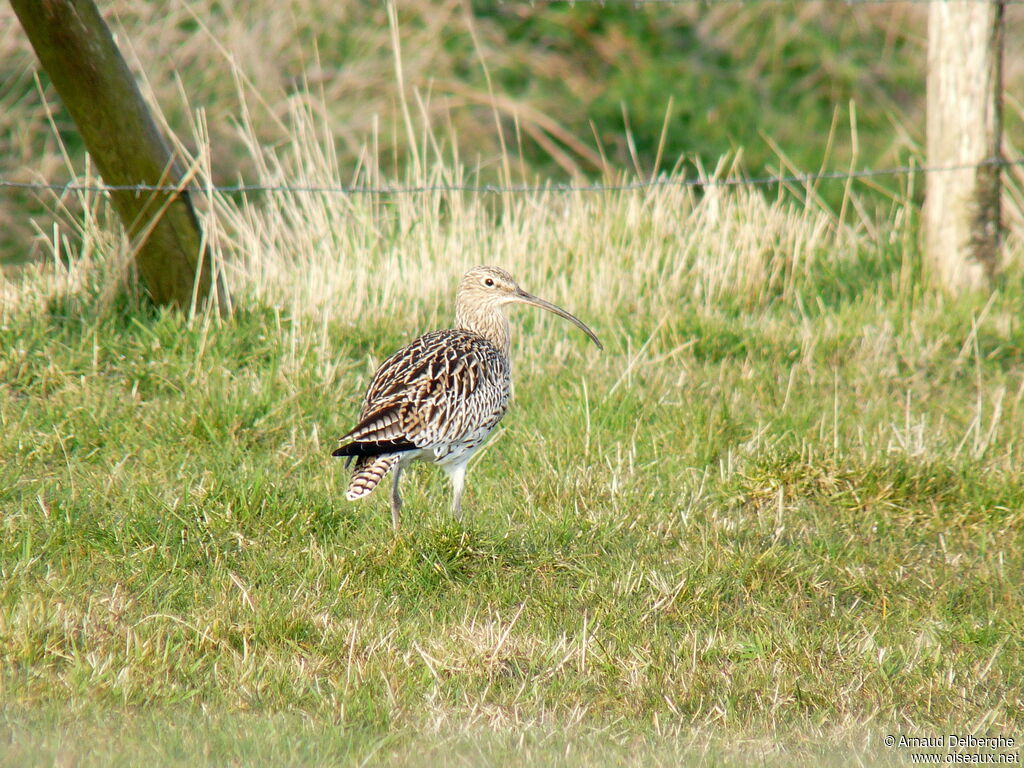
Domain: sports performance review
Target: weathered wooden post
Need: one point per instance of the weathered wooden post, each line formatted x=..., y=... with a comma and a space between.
x=75, y=47
x=961, y=212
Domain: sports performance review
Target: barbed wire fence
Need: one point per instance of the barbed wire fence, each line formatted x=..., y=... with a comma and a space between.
x=979, y=121
x=565, y=187
x=499, y=189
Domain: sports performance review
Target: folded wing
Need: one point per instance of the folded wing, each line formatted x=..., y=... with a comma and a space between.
x=439, y=389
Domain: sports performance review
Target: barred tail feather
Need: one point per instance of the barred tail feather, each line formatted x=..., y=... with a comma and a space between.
x=369, y=471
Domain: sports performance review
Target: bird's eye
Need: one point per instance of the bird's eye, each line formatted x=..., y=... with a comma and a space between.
x=489, y=283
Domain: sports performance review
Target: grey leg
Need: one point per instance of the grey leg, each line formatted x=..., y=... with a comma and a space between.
x=458, y=478
x=396, y=499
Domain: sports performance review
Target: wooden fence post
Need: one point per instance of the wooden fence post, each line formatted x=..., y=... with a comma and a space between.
x=75, y=47
x=961, y=212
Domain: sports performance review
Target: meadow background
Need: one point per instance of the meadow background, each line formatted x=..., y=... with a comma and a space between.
x=780, y=517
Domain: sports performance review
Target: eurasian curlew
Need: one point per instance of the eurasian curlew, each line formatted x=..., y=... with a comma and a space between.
x=439, y=398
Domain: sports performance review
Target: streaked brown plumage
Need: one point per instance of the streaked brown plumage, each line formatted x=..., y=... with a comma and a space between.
x=438, y=398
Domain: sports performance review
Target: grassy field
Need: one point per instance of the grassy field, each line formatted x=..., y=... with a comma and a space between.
x=779, y=518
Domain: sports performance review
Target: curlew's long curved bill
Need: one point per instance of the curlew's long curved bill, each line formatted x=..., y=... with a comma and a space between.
x=532, y=300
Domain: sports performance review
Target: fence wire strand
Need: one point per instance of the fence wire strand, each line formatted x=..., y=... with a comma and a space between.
x=498, y=189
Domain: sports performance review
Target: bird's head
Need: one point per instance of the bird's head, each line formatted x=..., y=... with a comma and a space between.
x=484, y=290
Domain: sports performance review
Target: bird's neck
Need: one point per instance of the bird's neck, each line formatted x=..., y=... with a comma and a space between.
x=490, y=322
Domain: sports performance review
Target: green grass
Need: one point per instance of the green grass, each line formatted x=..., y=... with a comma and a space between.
x=773, y=533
